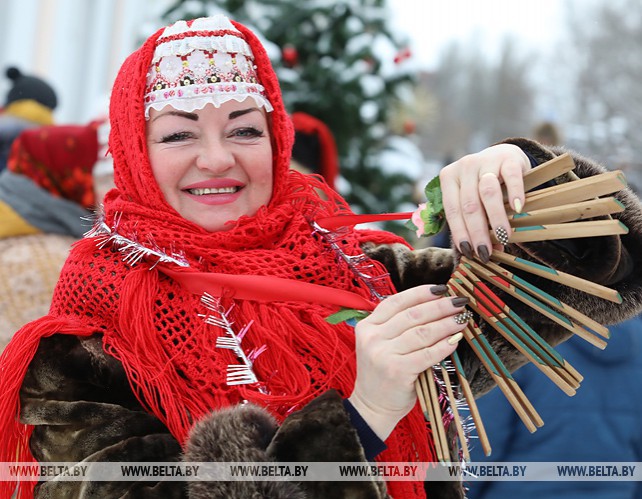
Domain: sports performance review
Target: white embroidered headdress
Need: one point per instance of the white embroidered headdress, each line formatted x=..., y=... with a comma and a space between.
x=199, y=62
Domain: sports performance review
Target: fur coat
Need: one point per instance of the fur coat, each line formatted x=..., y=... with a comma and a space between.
x=81, y=405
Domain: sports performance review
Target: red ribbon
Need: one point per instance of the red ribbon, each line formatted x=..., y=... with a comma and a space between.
x=265, y=288
x=331, y=223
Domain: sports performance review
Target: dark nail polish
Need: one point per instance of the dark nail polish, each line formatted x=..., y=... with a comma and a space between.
x=482, y=251
x=460, y=301
x=466, y=249
x=439, y=289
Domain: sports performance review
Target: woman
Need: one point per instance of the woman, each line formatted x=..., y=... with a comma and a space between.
x=206, y=284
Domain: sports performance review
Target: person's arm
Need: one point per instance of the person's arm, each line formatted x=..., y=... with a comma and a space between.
x=321, y=431
x=83, y=410
x=614, y=261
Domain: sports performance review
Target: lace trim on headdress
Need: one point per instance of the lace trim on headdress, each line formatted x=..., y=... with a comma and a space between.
x=212, y=23
x=207, y=62
x=190, y=103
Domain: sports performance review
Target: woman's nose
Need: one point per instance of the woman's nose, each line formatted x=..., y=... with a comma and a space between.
x=215, y=157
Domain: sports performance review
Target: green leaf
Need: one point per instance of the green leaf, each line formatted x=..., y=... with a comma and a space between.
x=433, y=214
x=411, y=226
x=433, y=194
x=346, y=314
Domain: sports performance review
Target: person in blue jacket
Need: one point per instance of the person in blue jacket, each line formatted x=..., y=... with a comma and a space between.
x=602, y=423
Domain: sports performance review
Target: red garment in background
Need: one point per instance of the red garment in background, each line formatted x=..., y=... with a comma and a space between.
x=59, y=159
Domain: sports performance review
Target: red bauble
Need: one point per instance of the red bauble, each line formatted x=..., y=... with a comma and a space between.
x=290, y=55
x=409, y=127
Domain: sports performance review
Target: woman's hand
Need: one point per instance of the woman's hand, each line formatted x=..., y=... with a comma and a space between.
x=473, y=200
x=406, y=334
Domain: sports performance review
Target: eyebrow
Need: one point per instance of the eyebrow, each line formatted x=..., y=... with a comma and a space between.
x=194, y=116
x=241, y=112
x=182, y=114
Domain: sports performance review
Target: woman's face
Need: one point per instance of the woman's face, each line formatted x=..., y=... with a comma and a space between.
x=213, y=165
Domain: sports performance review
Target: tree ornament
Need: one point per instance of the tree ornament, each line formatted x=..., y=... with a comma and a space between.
x=290, y=55
x=404, y=54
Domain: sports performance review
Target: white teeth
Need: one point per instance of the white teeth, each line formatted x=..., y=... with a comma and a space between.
x=209, y=190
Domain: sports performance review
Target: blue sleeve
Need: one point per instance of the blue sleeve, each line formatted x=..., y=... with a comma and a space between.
x=531, y=159
x=371, y=443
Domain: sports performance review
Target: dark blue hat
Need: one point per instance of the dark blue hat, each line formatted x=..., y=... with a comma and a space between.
x=30, y=88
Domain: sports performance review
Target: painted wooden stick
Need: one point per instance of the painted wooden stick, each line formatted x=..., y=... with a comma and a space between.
x=457, y=421
x=421, y=386
x=524, y=344
x=502, y=378
x=472, y=405
x=557, y=276
x=571, y=230
x=549, y=170
x=422, y=400
x=574, y=192
x=567, y=213
x=557, y=368
x=518, y=332
x=521, y=329
x=437, y=424
x=516, y=286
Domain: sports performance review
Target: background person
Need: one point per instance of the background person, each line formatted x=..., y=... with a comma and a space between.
x=29, y=103
x=45, y=192
x=314, y=150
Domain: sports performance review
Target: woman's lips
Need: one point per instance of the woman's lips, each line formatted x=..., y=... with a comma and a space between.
x=214, y=191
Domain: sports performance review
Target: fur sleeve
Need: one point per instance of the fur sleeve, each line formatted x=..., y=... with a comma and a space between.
x=82, y=409
x=81, y=406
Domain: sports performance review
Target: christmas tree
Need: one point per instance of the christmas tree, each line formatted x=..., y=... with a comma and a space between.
x=339, y=62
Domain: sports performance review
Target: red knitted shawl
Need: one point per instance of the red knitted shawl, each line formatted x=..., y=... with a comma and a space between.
x=155, y=326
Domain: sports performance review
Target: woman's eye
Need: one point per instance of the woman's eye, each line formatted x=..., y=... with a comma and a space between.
x=249, y=132
x=175, y=137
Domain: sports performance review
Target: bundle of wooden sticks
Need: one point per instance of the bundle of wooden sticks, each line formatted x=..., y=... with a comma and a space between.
x=558, y=212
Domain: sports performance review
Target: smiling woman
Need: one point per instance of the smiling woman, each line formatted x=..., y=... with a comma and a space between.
x=191, y=322
x=213, y=165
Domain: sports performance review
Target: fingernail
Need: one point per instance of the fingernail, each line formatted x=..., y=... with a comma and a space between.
x=466, y=249
x=439, y=289
x=463, y=317
x=459, y=301
x=455, y=338
x=482, y=251
x=502, y=235
x=517, y=203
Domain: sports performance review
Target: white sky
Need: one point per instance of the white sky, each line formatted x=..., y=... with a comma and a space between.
x=431, y=24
